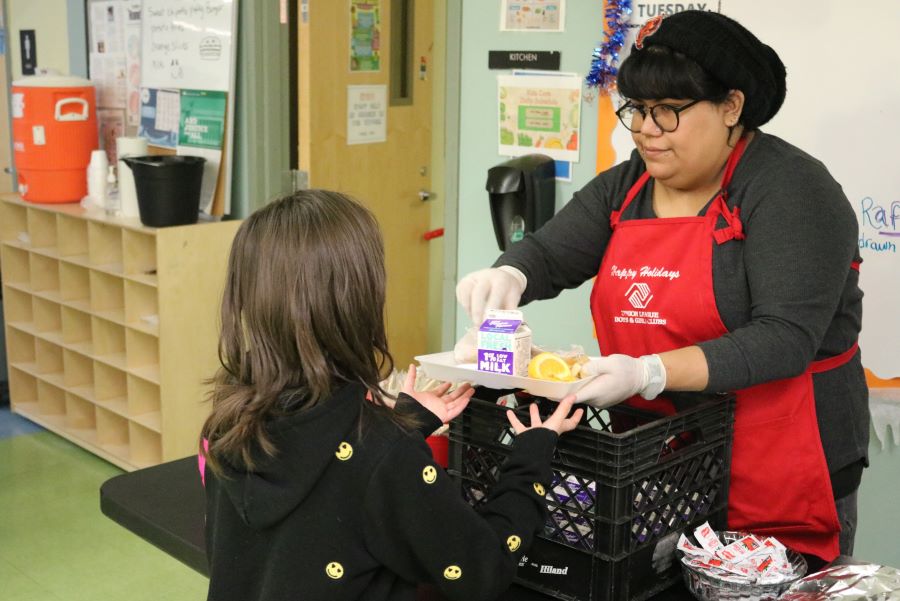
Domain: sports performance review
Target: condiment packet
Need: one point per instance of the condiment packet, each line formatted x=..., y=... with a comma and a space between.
x=707, y=538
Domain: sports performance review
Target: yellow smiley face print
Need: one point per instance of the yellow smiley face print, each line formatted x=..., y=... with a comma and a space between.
x=344, y=452
x=453, y=572
x=513, y=542
x=538, y=488
x=334, y=570
x=429, y=474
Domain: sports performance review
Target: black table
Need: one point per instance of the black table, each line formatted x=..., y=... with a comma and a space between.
x=165, y=506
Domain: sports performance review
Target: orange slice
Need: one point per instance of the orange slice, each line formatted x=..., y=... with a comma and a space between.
x=549, y=366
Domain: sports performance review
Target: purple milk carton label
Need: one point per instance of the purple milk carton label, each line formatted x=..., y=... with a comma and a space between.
x=498, y=362
x=501, y=326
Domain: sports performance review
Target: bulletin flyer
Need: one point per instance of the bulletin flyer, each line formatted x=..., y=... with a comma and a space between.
x=540, y=114
x=365, y=35
x=533, y=15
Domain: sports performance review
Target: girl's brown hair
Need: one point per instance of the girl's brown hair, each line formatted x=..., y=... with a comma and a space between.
x=302, y=311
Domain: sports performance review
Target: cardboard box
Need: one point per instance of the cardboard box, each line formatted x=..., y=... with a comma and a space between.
x=504, y=343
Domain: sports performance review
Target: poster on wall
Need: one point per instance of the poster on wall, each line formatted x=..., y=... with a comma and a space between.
x=366, y=114
x=365, y=35
x=533, y=15
x=160, y=114
x=201, y=132
x=540, y=114
x=106, y=58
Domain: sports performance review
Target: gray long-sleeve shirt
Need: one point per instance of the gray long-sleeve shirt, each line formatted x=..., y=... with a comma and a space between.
x=786, y=293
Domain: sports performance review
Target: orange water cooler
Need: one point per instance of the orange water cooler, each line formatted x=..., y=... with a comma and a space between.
x=54, y=129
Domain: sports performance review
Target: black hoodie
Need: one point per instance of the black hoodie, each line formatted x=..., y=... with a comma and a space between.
x=344, y=513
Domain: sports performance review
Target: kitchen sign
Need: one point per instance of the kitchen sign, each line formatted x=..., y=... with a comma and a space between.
x=524, y=59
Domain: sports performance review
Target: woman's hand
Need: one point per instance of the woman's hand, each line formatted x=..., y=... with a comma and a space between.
x=445, y=406
x=558, y=421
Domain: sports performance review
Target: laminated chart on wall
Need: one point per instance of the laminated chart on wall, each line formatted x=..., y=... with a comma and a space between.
x=539, y=114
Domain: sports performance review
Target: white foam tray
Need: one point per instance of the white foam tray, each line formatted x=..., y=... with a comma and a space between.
x=442, y=366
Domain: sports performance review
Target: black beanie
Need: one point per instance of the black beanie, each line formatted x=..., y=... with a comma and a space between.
x=727, y=51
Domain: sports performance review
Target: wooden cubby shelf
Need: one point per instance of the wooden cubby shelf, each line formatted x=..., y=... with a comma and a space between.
x=111, y=327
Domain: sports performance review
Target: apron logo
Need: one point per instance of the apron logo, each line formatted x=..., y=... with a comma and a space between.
x=639, y=295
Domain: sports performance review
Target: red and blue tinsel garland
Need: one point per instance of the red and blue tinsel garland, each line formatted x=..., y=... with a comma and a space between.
x=606, y=56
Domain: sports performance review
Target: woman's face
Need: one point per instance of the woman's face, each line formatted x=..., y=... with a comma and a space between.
x=693, y=155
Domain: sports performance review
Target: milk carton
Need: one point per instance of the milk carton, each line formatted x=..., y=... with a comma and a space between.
x=504, y=343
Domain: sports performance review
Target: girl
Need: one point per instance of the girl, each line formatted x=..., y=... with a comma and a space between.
x=316, y=487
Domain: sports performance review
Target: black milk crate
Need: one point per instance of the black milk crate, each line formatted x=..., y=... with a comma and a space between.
x=626, y=483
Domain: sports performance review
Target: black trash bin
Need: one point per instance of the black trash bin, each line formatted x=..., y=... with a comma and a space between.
x=168, y=188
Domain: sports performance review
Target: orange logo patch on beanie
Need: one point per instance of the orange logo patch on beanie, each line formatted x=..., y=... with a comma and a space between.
x=648, y=29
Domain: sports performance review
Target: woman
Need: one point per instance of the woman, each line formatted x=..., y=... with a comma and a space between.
x=725, y=260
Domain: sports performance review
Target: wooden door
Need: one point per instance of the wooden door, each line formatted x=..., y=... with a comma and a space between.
x=387, y=176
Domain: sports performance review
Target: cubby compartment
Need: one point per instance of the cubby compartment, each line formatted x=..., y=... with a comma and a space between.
x=44, y=274
x=145, y=445
x=74, y=285
x=23, y=390
x=20, y=347
x=112, y=433
x=72, y=238
x=139, y=256
x=78, y=373
x=76, y=329
x=142, y=351
x=81, y=418
x=47, y=318
x=107, y=296
x=13, y=222
x=48, y=358
x=105, y=246
x=111, y=388
x=16, y=267
x=42, y=229
x=17, y=307
x=51, y=400
x=141, y=309
x=144, y=403
x=108, y=341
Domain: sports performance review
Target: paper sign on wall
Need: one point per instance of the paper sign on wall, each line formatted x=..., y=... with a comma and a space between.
x=366, y=114
x=539, y=114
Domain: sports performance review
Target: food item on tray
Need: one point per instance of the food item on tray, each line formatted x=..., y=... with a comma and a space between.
x=556, y=367
x=504, y=343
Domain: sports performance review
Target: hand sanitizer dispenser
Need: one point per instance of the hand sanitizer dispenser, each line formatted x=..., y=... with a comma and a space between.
x=523, y=196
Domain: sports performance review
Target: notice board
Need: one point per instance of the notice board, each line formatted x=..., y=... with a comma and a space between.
x=165, y=71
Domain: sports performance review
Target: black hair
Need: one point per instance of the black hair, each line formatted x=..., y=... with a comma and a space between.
x=660, y=72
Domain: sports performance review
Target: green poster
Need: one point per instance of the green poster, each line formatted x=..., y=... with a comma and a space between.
x=202, y=121
x=365, y=35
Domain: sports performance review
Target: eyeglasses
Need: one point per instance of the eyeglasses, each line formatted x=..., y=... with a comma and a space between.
x=665, y=116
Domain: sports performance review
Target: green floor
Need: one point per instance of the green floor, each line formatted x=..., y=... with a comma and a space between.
x=55, y=544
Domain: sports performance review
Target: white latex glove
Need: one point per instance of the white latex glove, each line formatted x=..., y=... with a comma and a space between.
x=493, y=288
x=466, y=350
x=620, y=377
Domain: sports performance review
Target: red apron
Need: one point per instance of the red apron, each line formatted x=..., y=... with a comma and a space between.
x=654, y=293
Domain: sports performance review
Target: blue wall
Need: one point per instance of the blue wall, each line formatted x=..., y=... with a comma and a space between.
x=565, y=320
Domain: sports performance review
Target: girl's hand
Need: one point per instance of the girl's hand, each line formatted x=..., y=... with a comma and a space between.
x=445, y=406
x=558, y=421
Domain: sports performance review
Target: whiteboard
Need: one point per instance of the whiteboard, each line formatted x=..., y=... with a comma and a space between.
x=842, y=107
x=187, y=44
